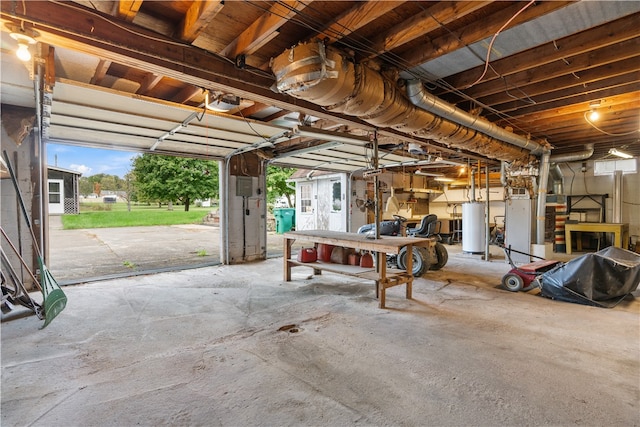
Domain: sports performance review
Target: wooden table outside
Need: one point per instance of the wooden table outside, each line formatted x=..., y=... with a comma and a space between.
x=620, y=232
x=383, y=277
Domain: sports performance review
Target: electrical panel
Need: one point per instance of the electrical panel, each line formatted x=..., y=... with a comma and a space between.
x=244, y=186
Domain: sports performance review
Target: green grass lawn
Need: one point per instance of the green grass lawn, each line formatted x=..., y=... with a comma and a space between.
x=94, y=215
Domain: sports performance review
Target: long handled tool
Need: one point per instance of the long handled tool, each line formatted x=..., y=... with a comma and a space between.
x=19, y=293
x=54, y=300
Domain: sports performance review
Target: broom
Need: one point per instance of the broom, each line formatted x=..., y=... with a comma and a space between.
x=54, y=300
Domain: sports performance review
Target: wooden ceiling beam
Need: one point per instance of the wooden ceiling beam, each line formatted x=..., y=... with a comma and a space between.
x=585, y=41
x=276, y=115
x=186, y=93
x=254, y=109
x=150, y=81
x=570, y=96
x=264, y=28
x=575, y=64
x=128, y=9
x=196, y=19
x=355, y=18
x=592, y=79
x=101, y=71
x=437, y=14
x=477, y=31
x=622, y=102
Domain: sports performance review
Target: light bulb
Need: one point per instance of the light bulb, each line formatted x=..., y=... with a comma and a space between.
x=594, y=115
x=23, y=52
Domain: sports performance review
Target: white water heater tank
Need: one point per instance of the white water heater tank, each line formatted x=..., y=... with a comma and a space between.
x=473, y=227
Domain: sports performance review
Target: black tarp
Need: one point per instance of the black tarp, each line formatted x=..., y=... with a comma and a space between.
x=602, y=278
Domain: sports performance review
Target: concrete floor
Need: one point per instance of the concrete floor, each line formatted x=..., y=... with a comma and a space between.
x=237, y=346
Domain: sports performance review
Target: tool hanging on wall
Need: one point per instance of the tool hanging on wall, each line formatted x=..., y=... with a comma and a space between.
x=54, y=299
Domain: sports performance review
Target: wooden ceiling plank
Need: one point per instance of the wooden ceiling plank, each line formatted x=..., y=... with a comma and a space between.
x=198, y=16
x=622, y=102
x=434, y=17
x=355, y=18
x=254, y=109
x=69, y=26
x=276, y=115
x=262, y=30
x=101, y=71
x=576, y=64
x=478, y=31
x=616, y=86
x=128, y=9
x=150, y=81
x=585, y=41
x=597, y=78
x=186, y=93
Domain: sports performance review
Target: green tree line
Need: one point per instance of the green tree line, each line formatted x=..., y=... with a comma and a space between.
x=168, y=179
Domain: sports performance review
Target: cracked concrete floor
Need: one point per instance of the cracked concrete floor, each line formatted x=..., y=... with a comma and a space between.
x=237, y=346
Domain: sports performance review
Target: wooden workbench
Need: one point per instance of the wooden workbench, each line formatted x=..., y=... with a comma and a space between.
x=620, y=232
x=384, y=278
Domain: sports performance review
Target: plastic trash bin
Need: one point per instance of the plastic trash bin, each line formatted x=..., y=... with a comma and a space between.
x=285, y=219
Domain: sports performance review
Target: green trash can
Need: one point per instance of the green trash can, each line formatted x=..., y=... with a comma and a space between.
x=285, y=219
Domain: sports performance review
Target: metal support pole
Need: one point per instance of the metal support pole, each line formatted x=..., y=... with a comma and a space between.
x=487, y=254
x=376, y=183
x=617, y=196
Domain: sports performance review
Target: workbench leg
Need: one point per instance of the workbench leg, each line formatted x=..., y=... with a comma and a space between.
x=567, y=238
x=287, y=257
x=382, y=275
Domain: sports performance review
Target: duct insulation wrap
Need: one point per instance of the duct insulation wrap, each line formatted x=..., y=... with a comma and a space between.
x=473, y=227
x=326, y=77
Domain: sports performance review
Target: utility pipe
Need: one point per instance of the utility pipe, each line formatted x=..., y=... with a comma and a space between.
x=423, y=99
x=542, y=197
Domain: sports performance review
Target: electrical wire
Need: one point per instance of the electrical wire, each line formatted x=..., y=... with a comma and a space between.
x=586, y=117
x=493, y=39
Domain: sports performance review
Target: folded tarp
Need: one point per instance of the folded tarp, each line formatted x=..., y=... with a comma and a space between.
x=601, y=279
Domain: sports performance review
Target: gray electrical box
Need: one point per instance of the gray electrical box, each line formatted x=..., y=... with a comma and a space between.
x=244, y=186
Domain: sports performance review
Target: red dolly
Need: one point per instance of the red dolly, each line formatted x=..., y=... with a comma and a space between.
x=522, y=278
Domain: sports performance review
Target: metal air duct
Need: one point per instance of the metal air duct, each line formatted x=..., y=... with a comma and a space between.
x=328, y=78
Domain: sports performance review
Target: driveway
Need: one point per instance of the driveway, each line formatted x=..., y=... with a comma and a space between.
x=88, y=254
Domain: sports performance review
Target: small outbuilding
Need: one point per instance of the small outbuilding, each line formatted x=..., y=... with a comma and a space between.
x=63, y=191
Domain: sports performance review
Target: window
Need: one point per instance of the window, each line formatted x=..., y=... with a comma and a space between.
x=336, y=196
x=54, y=192
x=305, y=198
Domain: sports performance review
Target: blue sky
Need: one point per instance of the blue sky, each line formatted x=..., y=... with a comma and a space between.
x=89, y=161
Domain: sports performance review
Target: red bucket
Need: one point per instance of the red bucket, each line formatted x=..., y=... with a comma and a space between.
x=324, y=252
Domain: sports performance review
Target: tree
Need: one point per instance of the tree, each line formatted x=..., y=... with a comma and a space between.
x=277, y=184
x=172, y=179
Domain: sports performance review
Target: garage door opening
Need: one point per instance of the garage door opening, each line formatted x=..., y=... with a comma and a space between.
x=119, y=228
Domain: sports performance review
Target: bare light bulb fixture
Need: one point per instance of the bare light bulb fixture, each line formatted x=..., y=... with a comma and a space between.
x=24, y=37
x=593, y=114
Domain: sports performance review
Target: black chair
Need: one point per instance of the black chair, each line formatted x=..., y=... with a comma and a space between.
x=429, y=226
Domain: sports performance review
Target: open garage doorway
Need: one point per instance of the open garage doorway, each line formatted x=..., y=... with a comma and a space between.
x=115, y=229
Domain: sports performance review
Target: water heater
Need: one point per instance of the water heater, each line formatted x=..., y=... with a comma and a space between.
x=473, y=227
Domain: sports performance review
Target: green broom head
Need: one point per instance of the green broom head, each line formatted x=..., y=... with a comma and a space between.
x=54, y=299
